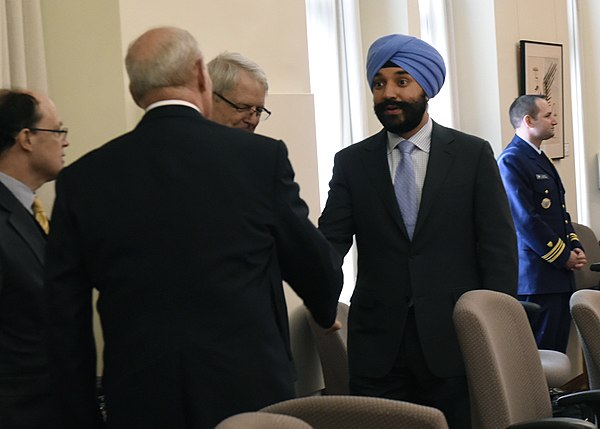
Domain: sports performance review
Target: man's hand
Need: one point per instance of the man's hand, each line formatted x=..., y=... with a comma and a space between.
x=577, y=260
x=337, y=325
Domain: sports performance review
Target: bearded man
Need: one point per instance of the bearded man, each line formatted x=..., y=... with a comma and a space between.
x=431, y=220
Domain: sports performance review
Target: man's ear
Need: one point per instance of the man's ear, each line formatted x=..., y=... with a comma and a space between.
x=528, y=121
x=201, y=75
x=23, y=140
x=135, y=99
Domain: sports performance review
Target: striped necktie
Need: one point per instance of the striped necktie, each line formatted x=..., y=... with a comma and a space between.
x=40, y=215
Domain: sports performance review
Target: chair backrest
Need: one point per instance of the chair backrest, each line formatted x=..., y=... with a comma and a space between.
x=259, y=420
x=309, y=376
x=584, y=278
x=506, y=380
x=333, y=352
x=359, y=412
x=585, y=309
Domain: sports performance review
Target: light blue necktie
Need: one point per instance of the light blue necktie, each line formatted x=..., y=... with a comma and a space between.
x=405, y=186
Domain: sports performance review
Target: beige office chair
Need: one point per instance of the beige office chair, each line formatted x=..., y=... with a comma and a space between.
x=309, y=376
x=258, y=420
x=585, y=309
x=506, y=380
x=332, y=352
x=359, y=412
x=584, y=278
x=556, y=366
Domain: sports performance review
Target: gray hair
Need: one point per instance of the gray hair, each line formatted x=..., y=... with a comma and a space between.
x=224, y=69
x=161, y=57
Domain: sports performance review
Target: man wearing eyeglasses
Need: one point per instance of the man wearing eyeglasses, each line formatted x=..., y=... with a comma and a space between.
x=32, y=143
x=239, y=90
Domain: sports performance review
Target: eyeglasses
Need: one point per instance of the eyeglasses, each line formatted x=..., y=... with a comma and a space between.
x=62, y=131
x=260, y=112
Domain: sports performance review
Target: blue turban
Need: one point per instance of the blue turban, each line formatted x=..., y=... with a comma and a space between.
x=417, y=57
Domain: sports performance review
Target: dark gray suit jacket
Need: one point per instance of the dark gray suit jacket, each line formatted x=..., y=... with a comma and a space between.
x=187, y=229
x=23, y=356
x=23, y=359
x=464, y=239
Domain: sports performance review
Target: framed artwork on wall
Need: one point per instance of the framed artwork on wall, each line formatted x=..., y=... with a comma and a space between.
x=542, y=73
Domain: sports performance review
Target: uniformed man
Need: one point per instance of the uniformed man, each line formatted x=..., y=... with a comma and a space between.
x=549, y=249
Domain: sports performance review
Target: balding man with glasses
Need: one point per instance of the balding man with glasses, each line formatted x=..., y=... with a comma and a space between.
x=190, y=231
x=32, y=143
x=239, y=90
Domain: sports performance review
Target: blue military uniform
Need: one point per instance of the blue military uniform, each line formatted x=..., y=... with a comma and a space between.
x=545, y=238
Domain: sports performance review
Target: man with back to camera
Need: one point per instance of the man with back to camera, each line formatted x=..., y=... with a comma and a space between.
x=549, y=249
x=429, y=226
x=32, y=143
x=239, y=90
x=190, y=230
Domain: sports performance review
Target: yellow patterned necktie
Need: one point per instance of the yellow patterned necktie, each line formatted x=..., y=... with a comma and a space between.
x=40, y=215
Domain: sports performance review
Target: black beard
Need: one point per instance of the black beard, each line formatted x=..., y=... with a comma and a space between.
x=413, y=114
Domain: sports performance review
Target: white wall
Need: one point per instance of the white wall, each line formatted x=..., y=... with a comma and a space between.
x=589, y=14
x=477, y=70
x=389, y=16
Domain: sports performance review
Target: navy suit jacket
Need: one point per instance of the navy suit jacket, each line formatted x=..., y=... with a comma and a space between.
x=187, y=229
x=544, y=230
x=464, y=239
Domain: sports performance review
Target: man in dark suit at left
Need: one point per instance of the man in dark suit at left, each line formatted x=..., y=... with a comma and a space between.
x=186, y=228
x=32, y=142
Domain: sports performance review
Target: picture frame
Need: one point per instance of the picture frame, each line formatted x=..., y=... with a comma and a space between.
x=542, y=73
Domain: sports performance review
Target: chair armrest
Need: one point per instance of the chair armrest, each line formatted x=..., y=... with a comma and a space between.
x=556, y=423
x=532, y=307
x=532, y=310
x=595, y=266
x=590, y=398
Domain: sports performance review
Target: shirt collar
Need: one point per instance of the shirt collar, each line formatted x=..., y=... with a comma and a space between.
x=537, y=149
x=421, y=139
x=172, y=103
x=21, y=191
x=534, y=147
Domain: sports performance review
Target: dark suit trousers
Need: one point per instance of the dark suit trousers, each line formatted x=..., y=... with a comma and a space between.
x=178, y=392
x=551, y=327
x=28, y=412
x=411, y=380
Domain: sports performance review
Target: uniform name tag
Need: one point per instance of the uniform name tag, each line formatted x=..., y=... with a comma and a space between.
x=541, y=177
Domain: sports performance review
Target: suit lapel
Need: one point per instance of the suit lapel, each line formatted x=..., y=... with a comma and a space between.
x=22, y=222
x=546, y=164
x=378, y=170
x=441, y=157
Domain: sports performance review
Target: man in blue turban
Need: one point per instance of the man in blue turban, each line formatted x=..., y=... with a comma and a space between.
x=431, y=220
